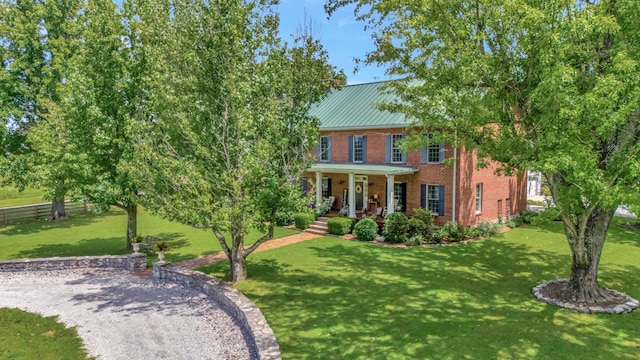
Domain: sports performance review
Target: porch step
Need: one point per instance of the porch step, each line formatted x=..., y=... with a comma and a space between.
x=318, y=227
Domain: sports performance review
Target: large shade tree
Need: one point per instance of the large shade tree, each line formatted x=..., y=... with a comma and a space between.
x=545, y=84
x=227, y=133
x=106, y=92
x=39, y=40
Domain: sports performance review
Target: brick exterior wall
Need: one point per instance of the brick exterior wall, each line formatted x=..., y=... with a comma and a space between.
x=508, y=189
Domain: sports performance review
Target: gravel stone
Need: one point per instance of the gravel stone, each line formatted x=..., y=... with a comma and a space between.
x=120, y=316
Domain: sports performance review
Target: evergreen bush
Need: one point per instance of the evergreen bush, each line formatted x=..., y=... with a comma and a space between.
x=303, y=220
x=396, y=226
x=365, y=229
x=340, y=225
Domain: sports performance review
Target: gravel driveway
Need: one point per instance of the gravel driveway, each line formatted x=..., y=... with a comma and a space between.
x=120, y=316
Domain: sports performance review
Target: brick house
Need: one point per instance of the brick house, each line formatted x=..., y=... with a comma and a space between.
x=359, y=162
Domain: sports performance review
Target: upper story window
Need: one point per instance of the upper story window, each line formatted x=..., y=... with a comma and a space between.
x=432, y=153
x=396, y=152
x=393, y=152
x=358, y=149
x=325, y=148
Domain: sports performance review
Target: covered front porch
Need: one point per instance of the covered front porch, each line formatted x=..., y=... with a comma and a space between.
x=361, y=188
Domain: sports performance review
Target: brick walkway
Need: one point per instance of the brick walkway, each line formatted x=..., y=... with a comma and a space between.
x=220, y=256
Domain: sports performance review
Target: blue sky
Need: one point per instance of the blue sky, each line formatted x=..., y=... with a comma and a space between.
x=343, y=37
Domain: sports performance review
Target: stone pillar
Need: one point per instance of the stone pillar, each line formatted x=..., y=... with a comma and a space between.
x=318, y=188
x=390, y=196
x=352, y=195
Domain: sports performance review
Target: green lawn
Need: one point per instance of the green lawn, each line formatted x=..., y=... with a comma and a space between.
x=105, y=234
x=10, y=196
x=330, y=298
x=30, y=336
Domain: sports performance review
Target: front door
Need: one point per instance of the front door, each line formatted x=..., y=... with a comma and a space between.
x=359, y=195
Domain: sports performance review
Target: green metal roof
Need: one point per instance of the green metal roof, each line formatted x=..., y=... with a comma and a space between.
x=355, y=107
x=363, y=169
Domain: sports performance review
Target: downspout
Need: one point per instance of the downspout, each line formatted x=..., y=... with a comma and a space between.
x=455, y=176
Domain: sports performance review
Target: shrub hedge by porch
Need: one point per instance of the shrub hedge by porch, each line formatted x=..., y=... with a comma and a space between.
x=365, y=230
x=303, y=220
x=340, y=225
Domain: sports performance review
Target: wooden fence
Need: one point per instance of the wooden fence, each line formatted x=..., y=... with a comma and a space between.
x=38, y=211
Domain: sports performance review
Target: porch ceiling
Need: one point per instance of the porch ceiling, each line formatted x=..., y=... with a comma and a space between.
x=365, y=169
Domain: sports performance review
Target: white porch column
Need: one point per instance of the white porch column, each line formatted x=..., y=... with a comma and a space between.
x=352, y=195
x=318, y=188
x=391, y=208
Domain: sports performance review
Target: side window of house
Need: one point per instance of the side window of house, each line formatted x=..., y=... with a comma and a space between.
x=325, y=148
x=432, y=153
x=478, y=198
x=358, y=149
x=432, y=198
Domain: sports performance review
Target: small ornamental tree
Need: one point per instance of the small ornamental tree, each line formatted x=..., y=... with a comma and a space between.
x=551, y=85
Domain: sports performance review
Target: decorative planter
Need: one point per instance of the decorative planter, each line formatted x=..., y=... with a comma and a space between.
x=136, y=247
x=161, y=255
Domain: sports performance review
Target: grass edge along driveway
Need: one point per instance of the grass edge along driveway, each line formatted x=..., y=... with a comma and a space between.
x=330, y=298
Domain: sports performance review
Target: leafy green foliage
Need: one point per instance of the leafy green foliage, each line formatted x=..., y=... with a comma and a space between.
x=454, y=232
x=303, y=220
x=417, y=227
x=423, y=215
x=340, y=225
x=396, y=226
x=365, y=229
x=549, y=85
x=283, y=219
x=226, y=135
x=488, y=228
x=414, y=240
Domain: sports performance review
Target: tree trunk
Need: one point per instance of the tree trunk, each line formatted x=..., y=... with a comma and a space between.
x=586, y=247
x=57, y=210
x=237, y=260
x=132, y=224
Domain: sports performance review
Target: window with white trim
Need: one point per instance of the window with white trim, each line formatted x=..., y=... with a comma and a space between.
x=433, y=198
x=358, y=148
x=433, y=151
x=324, y=148
x=478, y=198
x=396, y=152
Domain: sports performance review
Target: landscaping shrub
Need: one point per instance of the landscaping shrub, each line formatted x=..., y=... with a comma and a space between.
x=396, y=226
x=417, y=227
x=528, y=216
x=365, y=229
x=436, y=237
x=283, y=219
x=303, y=220
x=474, y=232
x=424, y=215
x=550, y=214
x=454, y=232
x=488, y=228
x=322, y=208
x=340, y=225
x=512, y=224
x=414, y=240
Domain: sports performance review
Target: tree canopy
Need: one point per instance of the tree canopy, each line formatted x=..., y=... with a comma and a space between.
x=227, y=134
x=550, y=85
